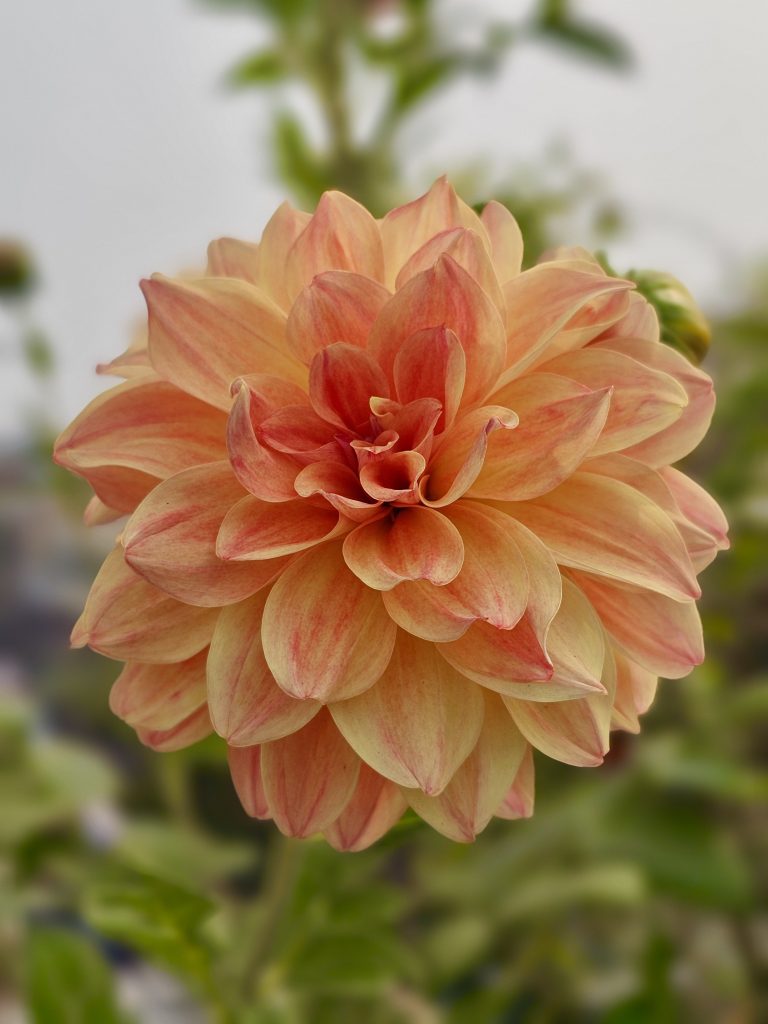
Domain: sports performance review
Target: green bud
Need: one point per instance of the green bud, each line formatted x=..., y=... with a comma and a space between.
x=683, y=325
x=16, y=271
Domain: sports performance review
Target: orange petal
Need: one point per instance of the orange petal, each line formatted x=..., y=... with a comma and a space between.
x=134, y=362
x=444, y=296
x=560, y=422
x=471, y=798
x=170, y=539
x=309, y=777
x=700, y=511
x=326, y=635
x=640, y=321
x=159, y=696
x=506, y=240
x=282, y=230
x=205, y=333
x=540, y=302
x=335, y=306
x=245, y=703
x=418, y=723
x=340, y=486
x=98, y=514
x=255, y=530
x=137, y=433
x=663, y=635
x=461, y=454
x=193, y=729
x=342, y=235
x=342, y=379
x=468, y=250
x=266, y=473
x=420, y=608
x=431, y=364
x=394, y=477
x=418, y=544
x=230, y=257
x=606, y=527
x=376, y=805
x=127, y=618
x=644, y=401
x=245, y=768
x=682, y=436
x=501, y=659
x=518, y=803
x=635, y=689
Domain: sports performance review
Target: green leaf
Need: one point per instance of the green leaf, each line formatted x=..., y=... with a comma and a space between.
x=414, y=83
x=38, y=353
x=351, y=963
x=264, y=68
x=67, y=980
x=587, y=40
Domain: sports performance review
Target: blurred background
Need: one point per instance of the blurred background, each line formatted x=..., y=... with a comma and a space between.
x=132, y=886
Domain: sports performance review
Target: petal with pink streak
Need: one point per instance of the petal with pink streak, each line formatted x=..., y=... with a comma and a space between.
x=159, y=696
x=506, y=240
x=431, y=364
x=205, y=333
x=394, y=477
x=337, y=306
x=137, y=433
x=309, y=777
x=605, y=527
x=681, y=437
x=540, y=302
x=245, y=769
x=418, y=544
x=664, y=636
x=340, y=487
x=444, y=296
x=342, y=379
x=127, y=618
x=640, y=321
x=376, y=805
x=188, y=732
x=341, y=235
x=253, y=530
x=461, y=453
x=170, y=539
x=500, y=659
x=635, y=690
x=266, y=473
x=420, y=608
x=468, y=250
x=560, y=422
x=231, y=257
x=133, y=362
x=418, y=723
x=282, y=230
x=519, y=800
x=298, y=431
x=326, y=635
x=644, y=401
x=471, y=798
x=245, y=703
x=699, y=509
x=97, y=513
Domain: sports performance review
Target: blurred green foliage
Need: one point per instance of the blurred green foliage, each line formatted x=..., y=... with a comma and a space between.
x=636, y=894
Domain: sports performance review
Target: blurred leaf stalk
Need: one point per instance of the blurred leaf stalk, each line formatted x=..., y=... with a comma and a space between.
x=637, y=894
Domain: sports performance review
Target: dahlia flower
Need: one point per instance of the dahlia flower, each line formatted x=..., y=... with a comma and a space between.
x=398, y=514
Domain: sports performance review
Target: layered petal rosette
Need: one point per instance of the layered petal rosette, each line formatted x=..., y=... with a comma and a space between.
x=398, y=514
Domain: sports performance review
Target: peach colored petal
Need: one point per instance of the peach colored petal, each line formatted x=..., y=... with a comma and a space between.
x=560, y=422
x=341, y=235
x=309, y=777
x=97, y=513
x=500, y=658
x=635, y=690
x=589, y=323
x=643, y=403
x=170, y=539
x=342, y=379
x=468, y=250
x=664, y=636
x=606, y=527
x=470, y=799
x=326, y=635
x=409, y=427
x=205, y=333
x=506, y=240
x=159, y=696
x=127, y=618
x=134, y=362
x=418, y=723
x=298, y=431
x=245, y=703
x=681, y=437
x=420, y=608
x=282, y=230
x=698, y=509
x=460, y=456
x=255, y=530
x=340, y=486
x=417, y=544
x=335, y=306
x=640, y=321
x=518, y=803
x=394, y=477
x=431, y=364
x=245, y=768
x=540, y=302
x=266, y=473
x=376, y=805
x=444, y=296
x=230, y=257
x=135, y=434
x=185, y=734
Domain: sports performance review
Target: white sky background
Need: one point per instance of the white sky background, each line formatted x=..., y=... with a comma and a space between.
x=121, y=154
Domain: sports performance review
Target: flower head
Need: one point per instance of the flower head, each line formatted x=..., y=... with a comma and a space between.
x=399, y=512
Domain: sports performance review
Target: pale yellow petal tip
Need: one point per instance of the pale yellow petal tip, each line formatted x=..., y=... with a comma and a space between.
x=80, y=635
